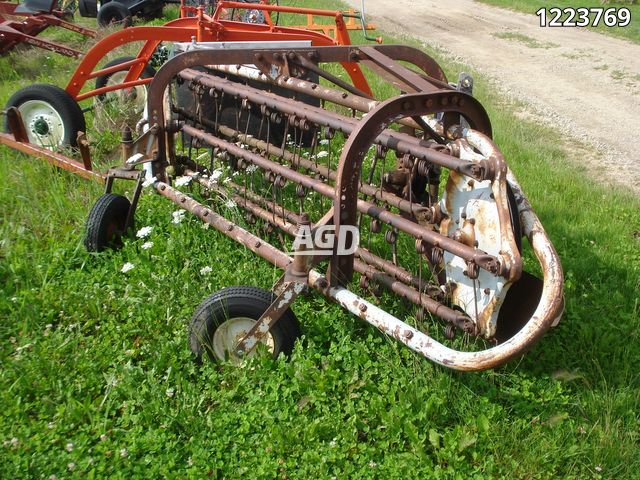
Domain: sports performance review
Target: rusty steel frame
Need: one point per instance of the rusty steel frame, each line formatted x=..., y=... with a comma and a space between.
x=27, y=26
x=467, y=152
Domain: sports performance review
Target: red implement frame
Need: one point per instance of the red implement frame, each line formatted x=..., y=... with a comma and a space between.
x=201, y=28
x=204, y=28
x=25, y=29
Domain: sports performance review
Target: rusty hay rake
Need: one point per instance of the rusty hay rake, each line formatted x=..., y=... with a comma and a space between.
x=400, y=207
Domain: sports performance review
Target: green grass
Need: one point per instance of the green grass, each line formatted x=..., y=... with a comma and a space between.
x=525, y=39
x=630, y=32
x=97, y=379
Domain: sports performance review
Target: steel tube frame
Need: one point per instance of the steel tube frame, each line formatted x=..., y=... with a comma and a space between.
x=546, y=314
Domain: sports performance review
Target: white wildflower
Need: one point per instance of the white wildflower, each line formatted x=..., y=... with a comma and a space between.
x=147, y=245
x=305, y=154
x=373, y=464
x=127, y=266
x=252, y=168
x=53, y=477
x=103, y=437
x=14, y=442
x=69, y=447
x=24, y=347
x=149, y=181
x=235, y=174
x=144, y=232
x=205, y=270
x=14, y=299
x=226, y=180
x=71, y=466
x=205, y=226
x=182, y=181
x=178, y=216
x=112, y=381
x=170, y=392
x=215, y=175
x=190, y=462
x=598, y=468
x=134, y=158
x=332, y=443
x=324, y=141
x=51, y=425
x=230, y=204
x=322, y=154
x=124, y=453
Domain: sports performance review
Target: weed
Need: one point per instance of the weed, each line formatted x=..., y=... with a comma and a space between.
x=525, y=39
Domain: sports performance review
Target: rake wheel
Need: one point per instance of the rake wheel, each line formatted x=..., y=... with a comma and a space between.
x=106, y=224
x=223, y=318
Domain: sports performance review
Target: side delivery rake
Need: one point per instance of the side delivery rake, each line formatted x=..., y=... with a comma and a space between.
x=428, y=216
x=21, y=23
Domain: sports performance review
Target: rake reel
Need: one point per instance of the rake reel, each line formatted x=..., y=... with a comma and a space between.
x=375, y=203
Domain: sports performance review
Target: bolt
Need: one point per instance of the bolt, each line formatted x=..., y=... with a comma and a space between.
x=450, y=332
x=363, y=307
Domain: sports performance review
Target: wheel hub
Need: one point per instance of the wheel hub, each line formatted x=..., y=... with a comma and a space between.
x=229, y=334
x=40, y=126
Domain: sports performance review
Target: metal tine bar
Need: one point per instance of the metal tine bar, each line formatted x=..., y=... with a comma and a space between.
x=253, y=202
x=361, y=104
x=400, y=142
x=373, y=267
x=368, y=189
x=482, y=259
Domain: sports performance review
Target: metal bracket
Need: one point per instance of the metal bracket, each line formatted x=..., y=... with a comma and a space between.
x=288, y=293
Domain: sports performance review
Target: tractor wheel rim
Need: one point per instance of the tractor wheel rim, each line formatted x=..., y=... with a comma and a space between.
x=44, y=124
x=228, y=335
x=137, y=95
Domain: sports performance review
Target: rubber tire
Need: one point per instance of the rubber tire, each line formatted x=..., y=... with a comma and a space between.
x=88, y=8
x=102, y=80
x=239, y=301
x=63, y=103
x=113, y=12
x=106, y=223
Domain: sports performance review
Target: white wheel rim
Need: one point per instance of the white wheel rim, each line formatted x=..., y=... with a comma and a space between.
x=136, y=95
x=228, y=335
x=43, y=123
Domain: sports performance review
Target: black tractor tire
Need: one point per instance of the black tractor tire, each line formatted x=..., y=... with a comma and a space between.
x=114, y=12
x=51, y=116
x=88, y=8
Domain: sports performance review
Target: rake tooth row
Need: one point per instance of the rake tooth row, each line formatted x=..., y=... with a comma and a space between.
x=413, y=179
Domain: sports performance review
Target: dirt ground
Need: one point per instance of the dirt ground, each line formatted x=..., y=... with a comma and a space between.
x=584, y=83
